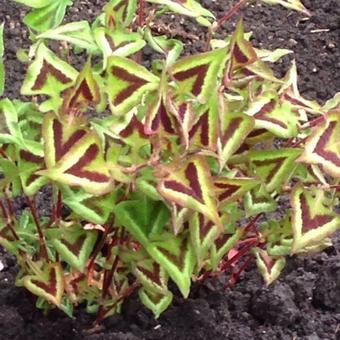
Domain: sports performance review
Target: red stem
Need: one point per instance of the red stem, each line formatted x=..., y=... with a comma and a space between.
x=9, y=221
x=230, y=13
x=141, y=11
x=43, y=247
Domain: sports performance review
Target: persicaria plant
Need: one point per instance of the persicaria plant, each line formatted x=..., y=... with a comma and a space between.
x=164, y=174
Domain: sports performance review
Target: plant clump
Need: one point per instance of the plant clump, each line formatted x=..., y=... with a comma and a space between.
x=180, y=180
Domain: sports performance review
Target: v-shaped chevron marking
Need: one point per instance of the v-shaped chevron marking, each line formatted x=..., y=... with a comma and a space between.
x=74, y=156
x=50, y=287
x=198, y=74
x=312, y=220
x=127, y=83
x=190, y=186
x=323, y=145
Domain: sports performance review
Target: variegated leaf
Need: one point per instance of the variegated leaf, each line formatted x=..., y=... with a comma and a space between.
x=313, y=219
x=74, y=156
x=119, y=13
x=156, y=302
x=234, y=130
x=47, y=74
x=197, y=75
x=85, y=92
x=270, y=268
x=73, y=244
x=48, y=285
x=127, y=84
x=231, y=189
x=323, y=145
x=273, y=167
x=291, y=4
x=190, y=185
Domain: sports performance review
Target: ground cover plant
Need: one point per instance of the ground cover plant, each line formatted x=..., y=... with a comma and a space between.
x=175, y=183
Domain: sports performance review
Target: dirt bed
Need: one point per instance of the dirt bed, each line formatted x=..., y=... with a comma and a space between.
x=303, y=304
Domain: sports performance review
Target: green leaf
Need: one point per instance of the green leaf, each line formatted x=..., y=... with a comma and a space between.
x=50, y=16
x=73, y=244
x=35, y=3
x=270, y=268
x=156, y=302
x=76, y=33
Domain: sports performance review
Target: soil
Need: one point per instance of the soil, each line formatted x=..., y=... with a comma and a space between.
x=304, y=303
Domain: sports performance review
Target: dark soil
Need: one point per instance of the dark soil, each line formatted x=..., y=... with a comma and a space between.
x=303, y=304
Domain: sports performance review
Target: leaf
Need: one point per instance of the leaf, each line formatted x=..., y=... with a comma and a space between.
x=73, y=244
x=74, y=156
x=313, y=219
x=273, y=167
x=28, y=165
x=258, y=201
x=222, y=245
x=204, y=131
x=50, y=16
x=49, y=285
x=190, y=185
x=2, y=68
x=76, y=33
x=120, y=13
x=143, y=217
x=156, y=302
x=197, y=75
x=203, y=234
x=291, y=4
x=152, y=276
x=35, y=3
x=189, y=8
x=47, y=74
x=270, y=268
x=119, y=43
x=323, y=145
x=88, y=207
x=127, y=83
x=84, y=93
x=231, y=189
x=234, y=130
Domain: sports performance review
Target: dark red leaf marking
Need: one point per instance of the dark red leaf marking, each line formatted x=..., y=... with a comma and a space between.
x=111, y=42
x=192, y=176
x=228, y=190
x=269, y=263
x=78, y=168
x=309, y=223
x=233, y=126
x=293, y=100
x=256, y=133
x=221, y=241
x=199, y=72
x=60, y=148
x=177, y=260
x=322, y=143
x=162, y=117
x=204, y=228
x=277, y=162
x=176, y=186
x=135, y=83
x=51, y=286
x=134, y=125
x=153, y=275
x=267, y=109
x=203, y=124
x=83, y=90
x=30, y=157
x=240, y=57
x=45, y=71
x=75, y=247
